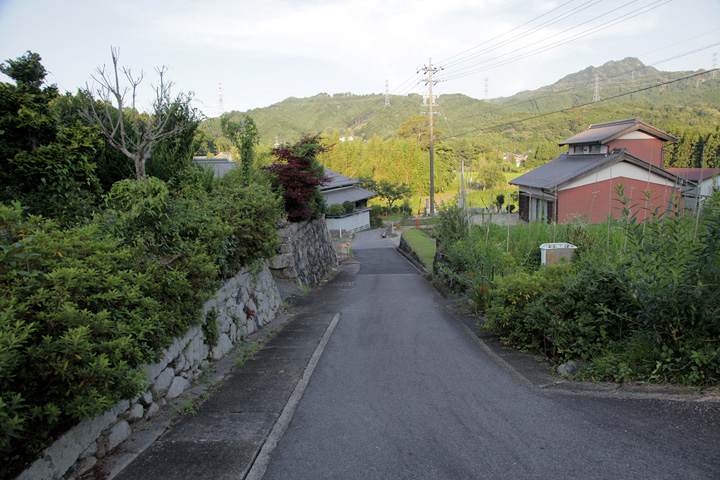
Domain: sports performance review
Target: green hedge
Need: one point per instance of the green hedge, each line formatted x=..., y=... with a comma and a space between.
x=81, y=308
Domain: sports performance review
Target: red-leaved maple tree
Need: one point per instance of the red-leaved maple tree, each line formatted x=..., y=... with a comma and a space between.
x=300, y=176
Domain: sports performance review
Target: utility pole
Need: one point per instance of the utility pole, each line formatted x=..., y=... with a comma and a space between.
x=429, y=70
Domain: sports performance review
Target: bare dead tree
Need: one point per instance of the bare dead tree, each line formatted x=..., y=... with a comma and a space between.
x=135, y=135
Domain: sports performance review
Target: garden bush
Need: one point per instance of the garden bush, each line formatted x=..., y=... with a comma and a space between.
x=336, y=209
x=640, y=300
x=348, y=206
x=82, y=308
x=451, y=224
x=566, y=313
x=76, y=323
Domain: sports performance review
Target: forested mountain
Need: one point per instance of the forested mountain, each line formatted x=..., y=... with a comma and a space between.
x=686, y=104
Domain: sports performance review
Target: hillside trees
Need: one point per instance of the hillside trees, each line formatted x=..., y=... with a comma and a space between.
x=400, y=159
x=136, y=135
x=417, y=128
x=696, y=148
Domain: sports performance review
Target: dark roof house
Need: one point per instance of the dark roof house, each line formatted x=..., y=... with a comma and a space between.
x=220, y=166
x=581, y=183
x=341, y=189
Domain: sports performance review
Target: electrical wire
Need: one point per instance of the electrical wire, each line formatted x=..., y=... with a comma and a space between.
x=476, y=68
x=534, y=117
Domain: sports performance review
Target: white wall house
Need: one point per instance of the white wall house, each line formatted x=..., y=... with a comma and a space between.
x=343, y=189
x=702, y=183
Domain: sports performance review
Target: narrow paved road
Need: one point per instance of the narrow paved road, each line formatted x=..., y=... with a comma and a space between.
x=403, y=392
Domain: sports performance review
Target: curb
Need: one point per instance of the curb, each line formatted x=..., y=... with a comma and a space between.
x=261, y=462
x=535, y=375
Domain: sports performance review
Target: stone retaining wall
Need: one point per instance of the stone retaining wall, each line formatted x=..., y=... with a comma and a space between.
x=244, y=304
x=306, y=255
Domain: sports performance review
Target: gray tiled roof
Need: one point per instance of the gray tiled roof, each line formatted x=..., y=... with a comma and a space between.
x=602, y=133
x=563, y=169
x=352, y=194
x=568, y=167
x=342, y=189
x=694, y=174
x=337, y=180
x=220, y=166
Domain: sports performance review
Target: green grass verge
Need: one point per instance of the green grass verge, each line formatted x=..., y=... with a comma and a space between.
x=423, y=245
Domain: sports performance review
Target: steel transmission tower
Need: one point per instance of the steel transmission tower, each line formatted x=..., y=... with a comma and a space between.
x=387, y=94
x=221, y=109
x=429, y=70
x=596, y=93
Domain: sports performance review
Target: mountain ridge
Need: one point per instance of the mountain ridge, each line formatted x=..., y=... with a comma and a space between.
x=562, y=108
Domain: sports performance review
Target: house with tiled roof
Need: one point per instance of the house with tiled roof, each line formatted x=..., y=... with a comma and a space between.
x=219, y=166
x=701, y=184
x=581, y=183
x=341, y=189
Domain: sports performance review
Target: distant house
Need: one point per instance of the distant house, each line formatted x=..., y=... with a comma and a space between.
x=220, y=166
x=701, y=184
x=580, y=184
x=342, y=189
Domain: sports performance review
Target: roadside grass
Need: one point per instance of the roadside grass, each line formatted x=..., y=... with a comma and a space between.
x=423, y=245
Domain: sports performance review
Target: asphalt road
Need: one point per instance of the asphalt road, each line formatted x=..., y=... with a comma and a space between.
x=403, y=392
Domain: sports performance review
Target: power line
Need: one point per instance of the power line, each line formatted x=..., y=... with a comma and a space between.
x=523, y=34
x=514, y=122
x=476, y=68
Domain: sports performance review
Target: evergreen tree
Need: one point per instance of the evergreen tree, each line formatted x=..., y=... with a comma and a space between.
x=47, y=159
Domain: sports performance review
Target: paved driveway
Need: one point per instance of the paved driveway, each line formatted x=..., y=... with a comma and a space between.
x=403, y=391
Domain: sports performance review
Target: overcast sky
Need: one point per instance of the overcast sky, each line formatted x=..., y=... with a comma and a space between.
x=263, y=51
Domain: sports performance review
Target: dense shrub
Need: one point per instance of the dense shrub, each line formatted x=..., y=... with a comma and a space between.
x=640, y=300
x=76, y=322
x=81, y=308
x=451, y=224
x=335, y=210
x=253, y=213
x=566, y=313
x=376, y=216
x=348, y=206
